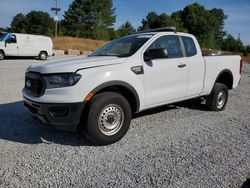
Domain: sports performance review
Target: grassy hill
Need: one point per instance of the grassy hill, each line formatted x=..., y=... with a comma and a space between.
x=65, y=43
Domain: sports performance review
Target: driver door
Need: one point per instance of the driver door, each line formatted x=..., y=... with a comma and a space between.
x=166, y=79
x=11, y=46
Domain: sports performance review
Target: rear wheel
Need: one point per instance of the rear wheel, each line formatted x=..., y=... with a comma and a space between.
x=1, y=55
x=217, y=100
x=108, y=118
x=43, y=56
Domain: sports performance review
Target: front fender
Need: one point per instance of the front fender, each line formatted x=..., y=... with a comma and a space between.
x=96, y=80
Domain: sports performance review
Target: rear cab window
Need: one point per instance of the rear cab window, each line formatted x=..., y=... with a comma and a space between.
x=189, y=45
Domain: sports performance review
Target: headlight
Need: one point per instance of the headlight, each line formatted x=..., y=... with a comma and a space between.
x=61, y=80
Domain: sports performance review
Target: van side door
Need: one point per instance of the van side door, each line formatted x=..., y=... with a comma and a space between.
x=28, y=46
x=11, y=46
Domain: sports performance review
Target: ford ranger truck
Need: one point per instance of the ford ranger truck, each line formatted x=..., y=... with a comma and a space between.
x=98, y=94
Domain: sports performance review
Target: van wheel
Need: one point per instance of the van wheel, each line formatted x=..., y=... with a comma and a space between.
x=1, y=55
x=43, y=56
x=217, y=100
x=108, y=118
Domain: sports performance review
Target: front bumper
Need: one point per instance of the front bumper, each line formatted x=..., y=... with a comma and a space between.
x=65, y=116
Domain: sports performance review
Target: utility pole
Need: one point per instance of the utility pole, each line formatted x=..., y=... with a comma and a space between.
x=56, y=10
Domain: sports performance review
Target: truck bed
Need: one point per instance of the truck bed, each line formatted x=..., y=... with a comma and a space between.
x=214, y=65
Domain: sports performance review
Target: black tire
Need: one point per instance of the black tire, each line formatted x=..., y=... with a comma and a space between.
x=1, y=55
x=118, y=112
x=43, y=56
x=218, y=98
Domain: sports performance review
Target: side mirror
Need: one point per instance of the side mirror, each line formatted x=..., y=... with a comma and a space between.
x=8, y=41
x=5, y=43
x=158, y=53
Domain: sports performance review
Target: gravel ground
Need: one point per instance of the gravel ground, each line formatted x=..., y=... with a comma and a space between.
x=181, y=145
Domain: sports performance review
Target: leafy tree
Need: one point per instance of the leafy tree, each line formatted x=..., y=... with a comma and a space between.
x=89, y=18
x=155, y=21
x=206, y=25
x=163, y=20
x=125, y=29
x=195, y=19
x=166, y=20
x=40, y=23
x=178, y=22
x=151, y=21
x=60, y=29
x=231, y=44
x=241, y=47
x=3, y=29
x=35, y=22
x=19, y=24
x=113, y=34
x=248, y=48
x=216, y=23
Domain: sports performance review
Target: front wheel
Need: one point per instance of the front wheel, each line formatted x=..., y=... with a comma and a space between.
x=43, y=56
x=217, y=100
x=108, y=118
x=1, y=55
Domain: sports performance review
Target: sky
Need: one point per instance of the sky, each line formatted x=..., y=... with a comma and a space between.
x=238, y=12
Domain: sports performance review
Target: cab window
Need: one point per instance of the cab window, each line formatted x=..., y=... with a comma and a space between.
x=169, y=42
x=189, y=46
x=12, y=39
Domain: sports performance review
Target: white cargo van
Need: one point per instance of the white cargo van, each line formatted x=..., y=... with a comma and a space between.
x=25, y=45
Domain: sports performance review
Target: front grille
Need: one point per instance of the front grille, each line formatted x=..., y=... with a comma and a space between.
x=34, y=84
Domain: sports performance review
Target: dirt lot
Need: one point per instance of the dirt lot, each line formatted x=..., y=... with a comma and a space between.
x=180, y=145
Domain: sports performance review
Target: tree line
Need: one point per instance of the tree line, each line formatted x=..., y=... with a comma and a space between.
x=95, y=19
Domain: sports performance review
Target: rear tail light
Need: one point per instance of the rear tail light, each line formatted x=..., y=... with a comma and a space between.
x=241, y=65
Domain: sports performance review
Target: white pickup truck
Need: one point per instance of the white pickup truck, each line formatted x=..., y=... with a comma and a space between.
x=99, y=93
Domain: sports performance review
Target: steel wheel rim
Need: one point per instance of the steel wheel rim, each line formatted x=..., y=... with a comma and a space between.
x=111, y=119
x=221, y=99
x=43, y=56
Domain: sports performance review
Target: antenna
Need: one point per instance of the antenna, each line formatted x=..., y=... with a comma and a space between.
x=56, y=10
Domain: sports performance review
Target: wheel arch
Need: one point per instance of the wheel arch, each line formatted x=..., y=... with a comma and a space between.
x=2, y=51
x=43, y=51
x=225, y=77
x=123, y=88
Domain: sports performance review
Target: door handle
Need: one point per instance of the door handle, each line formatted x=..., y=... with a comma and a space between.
x=182, y=65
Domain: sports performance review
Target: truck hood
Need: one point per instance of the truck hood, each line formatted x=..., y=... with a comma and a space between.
x=74, y=64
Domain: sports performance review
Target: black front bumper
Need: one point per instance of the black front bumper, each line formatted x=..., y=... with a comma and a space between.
x=65, y=116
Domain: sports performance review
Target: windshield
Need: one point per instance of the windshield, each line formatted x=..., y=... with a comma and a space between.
x=3, y=36
x=123, y=47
